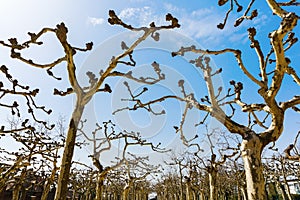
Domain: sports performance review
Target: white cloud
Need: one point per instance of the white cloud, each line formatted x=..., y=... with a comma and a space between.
x=95, y=21
x=129, y=12
x=200, y=24
x=171, y=8
x=262, y=19
x=140, y=16
x=202, y=12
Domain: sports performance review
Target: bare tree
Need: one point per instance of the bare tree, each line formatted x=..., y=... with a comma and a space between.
x=181, y=163
x=281, y=171
x=101, y=140
x=85, y=93
x=168, y=186
x=137, y=170
x=212, y=165
x=273, y=65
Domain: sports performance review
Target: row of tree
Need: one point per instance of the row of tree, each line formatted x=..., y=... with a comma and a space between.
x=265, y=117
x=192, y=175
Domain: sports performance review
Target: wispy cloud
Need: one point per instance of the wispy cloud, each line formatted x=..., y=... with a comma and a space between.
x=171, y=8
x=202, y=24
x=95, y=21
x=199, y=24
x=137, y=16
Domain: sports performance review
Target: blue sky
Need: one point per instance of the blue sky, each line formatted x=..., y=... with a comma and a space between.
x=87, y=21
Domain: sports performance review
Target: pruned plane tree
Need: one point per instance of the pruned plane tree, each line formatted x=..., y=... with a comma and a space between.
x=97, y=83
x=265, y=114
x=102, y=139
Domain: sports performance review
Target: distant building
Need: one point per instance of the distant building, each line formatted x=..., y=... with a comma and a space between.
x=294, y=187
x=152, y=196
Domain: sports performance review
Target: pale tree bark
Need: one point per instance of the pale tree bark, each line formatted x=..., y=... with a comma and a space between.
x=137, y=170
x=292, y=149
x=281, y=188
x=100, y=186
x=214, y=163
x=244, y=192
x=125, y=193
x=129, y=139
x=189, y=191
x=202, y=196
x=179, y=162
x=251, y=154
x=213, y=191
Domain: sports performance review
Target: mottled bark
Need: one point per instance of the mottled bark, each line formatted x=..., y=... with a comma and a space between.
x=251, y=149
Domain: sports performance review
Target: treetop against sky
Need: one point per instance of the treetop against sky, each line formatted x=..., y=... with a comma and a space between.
x=87, y=21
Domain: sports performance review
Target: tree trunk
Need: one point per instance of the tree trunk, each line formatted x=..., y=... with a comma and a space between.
x=285, y=182
x=195, y=195
x=202, y=196
x=125, y=193
x=272, y=191
x=23, y=193
x=100, y=187
x=189, y=193
x=281, y=189
x=288, y=191
x=74, y=194
x=238, y=191
x=244, y=193
x=63, y=179
x=175, y=196
x=48, y=184
x=181, y=184
x=251, y=149
x=212, y=174
x=16, y=192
